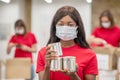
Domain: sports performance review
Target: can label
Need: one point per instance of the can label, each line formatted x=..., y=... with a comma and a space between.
x=69, y=62
x=57, y=47
x=62, y=63
x=56, y=64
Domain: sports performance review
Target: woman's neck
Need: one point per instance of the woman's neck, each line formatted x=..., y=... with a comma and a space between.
x=67, y=43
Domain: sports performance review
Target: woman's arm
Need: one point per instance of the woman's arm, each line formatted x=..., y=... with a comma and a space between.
x=10, y=46
x=29, y=49
x=91, y=39
x=75, y=77
x=90, y=77
x=44, y=75
x=33, y=48
x=96, y=40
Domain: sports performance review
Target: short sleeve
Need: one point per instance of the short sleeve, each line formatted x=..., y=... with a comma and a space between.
x=92, y=67
x=12, y=40
x=119, y=35
x=34, y=41
x=40, y=61
x=94, y=33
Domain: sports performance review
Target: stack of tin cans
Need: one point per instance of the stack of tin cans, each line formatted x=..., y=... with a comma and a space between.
x=69, y=62
x=62, y=63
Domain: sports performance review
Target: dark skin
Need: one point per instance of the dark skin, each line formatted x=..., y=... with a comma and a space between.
x=44, y=75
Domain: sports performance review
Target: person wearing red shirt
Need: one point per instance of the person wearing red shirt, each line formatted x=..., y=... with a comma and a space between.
x=107, y=34
x=25, y=42
x=67, y=28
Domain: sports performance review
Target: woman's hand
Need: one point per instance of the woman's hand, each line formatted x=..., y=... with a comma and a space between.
x=108, y=46
x=10, y=46
x=99, y=41
x=50, y=55
x=67, y=71
x=73, y=75
x=24, y=47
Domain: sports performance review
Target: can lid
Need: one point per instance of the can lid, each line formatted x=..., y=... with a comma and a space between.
x=69, y=57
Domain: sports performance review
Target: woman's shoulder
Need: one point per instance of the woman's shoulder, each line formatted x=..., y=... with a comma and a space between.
x=116, y=27
x=13, y=36
x=30, y=33
x=89, y=51
x=97, y=28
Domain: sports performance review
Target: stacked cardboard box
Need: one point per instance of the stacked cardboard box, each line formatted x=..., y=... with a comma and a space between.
x=119, y=67
x=18, y=68
x=106, y=63
x=108, y=75
x=117, y=52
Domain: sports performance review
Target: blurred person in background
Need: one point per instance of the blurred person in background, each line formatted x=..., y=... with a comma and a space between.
x=67, y=28
x=24, y=42
x=107, y=34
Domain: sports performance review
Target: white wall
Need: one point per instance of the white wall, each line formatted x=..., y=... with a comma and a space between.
x=42, y=14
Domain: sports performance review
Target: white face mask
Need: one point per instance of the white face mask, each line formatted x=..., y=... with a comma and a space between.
x=66, y=32
x=19, y=31
x=106, y=24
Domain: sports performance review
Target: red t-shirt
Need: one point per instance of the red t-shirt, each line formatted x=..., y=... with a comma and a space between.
x=85, y=58
x=111, y=36
x=28, y=40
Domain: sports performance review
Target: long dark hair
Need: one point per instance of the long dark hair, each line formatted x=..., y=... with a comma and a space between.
x=21, y=23
x=107, y=14
x=74, y=14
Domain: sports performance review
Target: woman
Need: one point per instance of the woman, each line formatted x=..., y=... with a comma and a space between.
x=67, y=28
x=24, y=42
x=107, y=34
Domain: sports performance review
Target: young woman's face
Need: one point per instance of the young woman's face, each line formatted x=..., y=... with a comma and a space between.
x=105, y=22
x=19, y=27
x=66, y=21
x=105, y=19
x=66, y=29
x=19, y=30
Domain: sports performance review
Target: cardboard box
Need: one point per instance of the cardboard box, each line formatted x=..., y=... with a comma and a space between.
x=118, y=66
x=106, y=58
x=107, y=75
x=18, y=68
x=118, y=76
x=117, y=52
x=97, y=78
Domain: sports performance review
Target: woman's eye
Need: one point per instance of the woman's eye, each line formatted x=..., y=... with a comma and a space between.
x=60, y=24
x=71, y=25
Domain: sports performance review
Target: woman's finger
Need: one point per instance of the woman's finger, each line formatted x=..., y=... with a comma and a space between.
x=48, y=48
x=50, y=52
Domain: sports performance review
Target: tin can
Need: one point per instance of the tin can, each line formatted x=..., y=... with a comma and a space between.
x=56, y=64
x=57, y=47
x=69, y=62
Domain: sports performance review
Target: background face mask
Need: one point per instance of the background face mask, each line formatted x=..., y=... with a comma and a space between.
x=19, y=31
x=66, y=32
x=106, y=24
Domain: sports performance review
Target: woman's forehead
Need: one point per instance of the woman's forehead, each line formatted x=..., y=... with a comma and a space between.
x=67, y=19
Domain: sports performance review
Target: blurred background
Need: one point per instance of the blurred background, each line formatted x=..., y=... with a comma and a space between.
x=38, y=15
